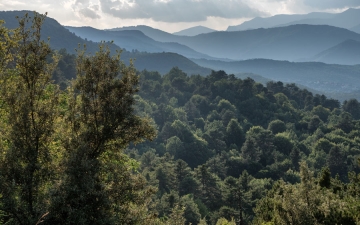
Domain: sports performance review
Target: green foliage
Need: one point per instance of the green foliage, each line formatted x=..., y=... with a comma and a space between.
x=29, y=103
x=224, y=134
x=62, y=159
x=353, y=107
x=223, y=221
x=304, y=203
x=176, y=217
x=277, y=126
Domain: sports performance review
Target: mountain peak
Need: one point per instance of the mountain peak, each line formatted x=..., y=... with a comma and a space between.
x=193, y=31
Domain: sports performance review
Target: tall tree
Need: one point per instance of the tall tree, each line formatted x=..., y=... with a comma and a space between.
x=100, y=123
x=29, y=101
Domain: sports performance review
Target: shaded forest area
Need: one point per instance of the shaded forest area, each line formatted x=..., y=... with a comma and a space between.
x=227, y=150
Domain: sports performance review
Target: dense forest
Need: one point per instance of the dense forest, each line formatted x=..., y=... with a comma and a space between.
x=86, y=139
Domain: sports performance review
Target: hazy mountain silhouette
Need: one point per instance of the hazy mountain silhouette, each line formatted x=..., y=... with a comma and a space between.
x=356, y=29
x=346, y=53
x=346, y=19
x=294, y=43
x=281, y=43
x=153, y=33
x=135, y=40
x=273, y=21
x=322, y=77
x=62, y=38
x=193, y=31
x=164, y=62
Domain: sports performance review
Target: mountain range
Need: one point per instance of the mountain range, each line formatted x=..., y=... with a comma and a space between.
x=294, y=43
x=281, y=43
x=156, y=50
x=347, y=19
x=60, y=37
x=327, y=78
x=346, y=53
x=135, y=40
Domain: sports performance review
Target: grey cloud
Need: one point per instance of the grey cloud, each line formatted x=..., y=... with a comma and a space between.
x=332, y=4
x=84, y=8
x=178, y=10
x=87, y=12
x=95, y=7
x=82, y=2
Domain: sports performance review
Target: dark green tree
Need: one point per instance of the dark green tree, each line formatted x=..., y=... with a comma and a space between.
x=352, y=106
x=234, y=133
x=210, y=193
x=277, y=126
x=325, y=178
x=336, y=162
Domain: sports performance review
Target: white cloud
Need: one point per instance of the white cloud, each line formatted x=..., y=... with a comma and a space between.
x=331, y=4
x=178, y=10
x=169, y=15
x=89, y=12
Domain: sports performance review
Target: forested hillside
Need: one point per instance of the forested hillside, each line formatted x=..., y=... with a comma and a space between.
x=106, y=144
x=220, y=136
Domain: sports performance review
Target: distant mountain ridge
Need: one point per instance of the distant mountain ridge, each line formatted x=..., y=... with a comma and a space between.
x=62, y=38
x=135, y=40
x=282, y=43
x=346, y=53
x=276, y=20
x=356, y=29
x=288, y=41
x=322, y=77
x=153, y=33
x=193, y=31
x=293, y=43
x=346, y=19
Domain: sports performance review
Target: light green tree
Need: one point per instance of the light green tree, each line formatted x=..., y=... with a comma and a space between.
x=98, y=187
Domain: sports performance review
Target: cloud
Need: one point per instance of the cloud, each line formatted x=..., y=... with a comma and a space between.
x=89, y=13
x=178, y=10
x=331, y=4
x=86, y=8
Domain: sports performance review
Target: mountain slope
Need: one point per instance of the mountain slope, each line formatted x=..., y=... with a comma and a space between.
x=193, y=31
x=276, y=20
x=164, y=62
x=319, y=76
x=281, y=43
x=346, y=19
x=60, y=37
x=294, y=43
x=135, y=40
x=346, y=53
x=356, y=29
x=153, y=33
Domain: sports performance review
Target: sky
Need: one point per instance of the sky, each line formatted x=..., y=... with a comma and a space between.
x=170, y=15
